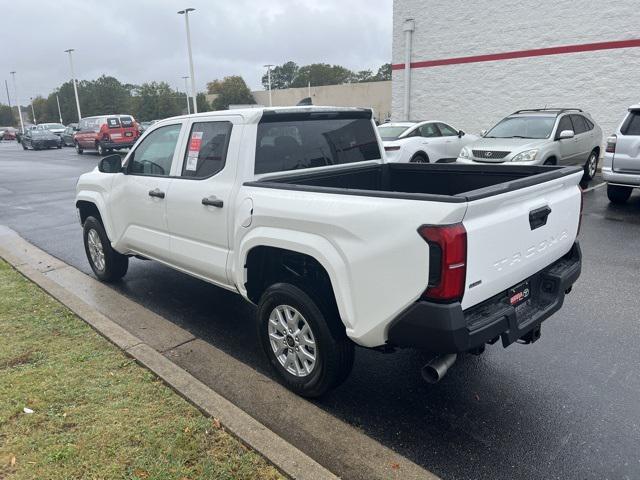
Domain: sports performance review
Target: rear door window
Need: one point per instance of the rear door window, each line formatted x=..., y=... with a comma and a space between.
x=579, y=125
x=113, y=122
x=207, y=149
x=302, y=141
x=631, y=125
x=429, y=130
x=126, y=121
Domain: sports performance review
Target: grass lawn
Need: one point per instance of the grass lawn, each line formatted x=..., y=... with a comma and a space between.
x=96, y=413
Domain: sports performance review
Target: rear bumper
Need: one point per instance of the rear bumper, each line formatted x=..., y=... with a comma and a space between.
x=627, y=179
x=127, y=144
x=446, y=328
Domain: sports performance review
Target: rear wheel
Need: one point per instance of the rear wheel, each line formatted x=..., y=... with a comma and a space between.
x=306, y=344
x=106, y=263
x=618, y=194
x=101, y=150
x=591, y=167
x=420, y=158
x=24, y=146
x=79, y=149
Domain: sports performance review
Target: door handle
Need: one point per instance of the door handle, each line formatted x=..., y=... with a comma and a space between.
x=156, y=192
x=212, y=201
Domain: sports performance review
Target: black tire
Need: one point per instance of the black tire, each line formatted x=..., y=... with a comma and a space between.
x=333, y=350
x=618, y=194
x=115, y=264
x=420, y=158
x=550, y=161
x=60, y=145
x=79, y=149
x=101, y=150
x=591, y=166
x=24, y=147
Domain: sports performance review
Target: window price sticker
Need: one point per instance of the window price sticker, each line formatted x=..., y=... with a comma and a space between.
x=194, y=151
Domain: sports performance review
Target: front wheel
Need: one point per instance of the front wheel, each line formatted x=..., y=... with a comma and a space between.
x=591, y=167
x=305, y=342
x=24, y=147
x=106, y=263
x=79, y=149
x=420, y=158
x=618, y=194
x=101, y=150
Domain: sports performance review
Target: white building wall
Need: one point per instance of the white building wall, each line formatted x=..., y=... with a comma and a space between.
x=474, y=96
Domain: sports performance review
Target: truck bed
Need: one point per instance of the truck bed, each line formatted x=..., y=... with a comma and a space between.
x=435, y=182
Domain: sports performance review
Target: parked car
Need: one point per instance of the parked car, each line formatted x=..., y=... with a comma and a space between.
x=39, y=139
x=8, y=133
x=56, y=128
x=105, y=133
x=19, y=134
x=423, y=142
x=142, y=126
x=621, y=166
x=297, y=210
x=544, y=136
x=67, y=135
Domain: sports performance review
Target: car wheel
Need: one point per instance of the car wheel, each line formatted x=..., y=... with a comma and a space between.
x=305, y=343
x=420, y=158
x=106, y=263
x=591, y=167
x=101, y=150
x=79, y=149
x=618, y=194
x=24, y=147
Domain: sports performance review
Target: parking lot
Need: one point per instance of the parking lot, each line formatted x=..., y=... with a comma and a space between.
x=564, y=407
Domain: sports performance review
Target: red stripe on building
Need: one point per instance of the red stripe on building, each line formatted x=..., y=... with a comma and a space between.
x=538, y=52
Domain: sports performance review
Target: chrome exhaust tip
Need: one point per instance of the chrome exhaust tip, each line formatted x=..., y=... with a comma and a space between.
x=437, y=368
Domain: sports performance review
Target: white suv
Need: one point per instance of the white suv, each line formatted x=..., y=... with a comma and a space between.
x=621, y=168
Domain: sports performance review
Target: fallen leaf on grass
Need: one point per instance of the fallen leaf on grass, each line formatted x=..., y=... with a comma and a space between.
x=395, y=466
x=141, y=473
x=216, y=423
x=27, y=410
x=13, y=461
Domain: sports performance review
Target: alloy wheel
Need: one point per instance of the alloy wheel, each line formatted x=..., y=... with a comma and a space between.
x=95, y=249
x=292, y=341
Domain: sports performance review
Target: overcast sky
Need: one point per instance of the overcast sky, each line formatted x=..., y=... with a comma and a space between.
x=144, y=40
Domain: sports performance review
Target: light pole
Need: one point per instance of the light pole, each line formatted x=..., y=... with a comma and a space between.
x=185, y=12
x=73, y=79
x=268, y=67
x=33, y=112
x=59, y=111
x=17, y=99
x=186, y=91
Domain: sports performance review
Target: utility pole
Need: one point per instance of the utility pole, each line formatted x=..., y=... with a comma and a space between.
x=73, y=79
x=33, y=112
x=59, y=111
x=268, y=67
x=185, y=12
x=15, y=92
x=6, y=85
x=186, y=90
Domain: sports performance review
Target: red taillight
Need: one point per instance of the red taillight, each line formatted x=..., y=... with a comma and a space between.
x=611, y=144
x=448, y=261
x=391, y=149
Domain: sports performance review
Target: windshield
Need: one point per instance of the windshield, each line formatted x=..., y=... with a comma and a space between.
x=523, y=127
x=389, y=132
x=49, y=126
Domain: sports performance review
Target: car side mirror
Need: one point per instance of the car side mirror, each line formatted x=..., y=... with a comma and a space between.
x=460, y=134
x=110, y=164
x=76, y=129
x=483, y=132
x=564, y=134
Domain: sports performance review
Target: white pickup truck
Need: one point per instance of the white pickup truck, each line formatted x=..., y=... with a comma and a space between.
x=296, y=210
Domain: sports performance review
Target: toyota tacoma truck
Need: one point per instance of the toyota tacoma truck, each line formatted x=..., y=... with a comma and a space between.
x=297, y=210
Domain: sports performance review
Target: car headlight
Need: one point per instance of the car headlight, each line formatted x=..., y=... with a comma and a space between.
x=526, y=156
x=465, y=152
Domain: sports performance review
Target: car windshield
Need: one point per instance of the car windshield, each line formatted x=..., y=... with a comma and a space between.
x=392, y=132
x=523, y=127
x=40, y=133
x=50, y=126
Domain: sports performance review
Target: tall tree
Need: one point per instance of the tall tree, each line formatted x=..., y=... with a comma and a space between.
x=231, y=91
x=6, y=116
x=155, y=100
x=322, y=74
x=384, y=73
x=203, y=105
x=282, y=76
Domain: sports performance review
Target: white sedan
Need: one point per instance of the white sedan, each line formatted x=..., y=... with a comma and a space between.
x=423, y=142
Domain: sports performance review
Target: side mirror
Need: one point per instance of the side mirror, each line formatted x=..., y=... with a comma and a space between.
x=483, y=133
x=564, y=134
x=76, y=129
x=110, y=164
x=460, y=133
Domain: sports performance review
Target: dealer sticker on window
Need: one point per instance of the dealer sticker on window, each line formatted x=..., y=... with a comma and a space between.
x=194, y=151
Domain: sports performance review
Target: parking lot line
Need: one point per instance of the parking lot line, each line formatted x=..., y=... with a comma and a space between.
x=595, y=187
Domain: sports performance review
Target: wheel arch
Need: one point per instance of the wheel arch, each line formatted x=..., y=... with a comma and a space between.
x=260, y=256
x=90, y=204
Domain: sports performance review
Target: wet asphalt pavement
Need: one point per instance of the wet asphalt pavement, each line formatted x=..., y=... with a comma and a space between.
x=567, y=406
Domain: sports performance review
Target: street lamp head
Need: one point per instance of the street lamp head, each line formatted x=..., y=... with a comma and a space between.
x=13, y=73
x=70, y=50
x=186, y=10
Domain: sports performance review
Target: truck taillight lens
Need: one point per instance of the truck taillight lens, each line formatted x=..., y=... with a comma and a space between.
x=611, y=144
x=447, y=261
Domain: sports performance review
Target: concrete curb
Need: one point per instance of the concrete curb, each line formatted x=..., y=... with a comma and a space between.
x=33, y=263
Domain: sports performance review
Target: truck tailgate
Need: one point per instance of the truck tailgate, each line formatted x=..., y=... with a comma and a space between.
x=514, y=234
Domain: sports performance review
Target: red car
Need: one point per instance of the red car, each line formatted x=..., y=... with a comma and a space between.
x=8, y=133
x=106, y=133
